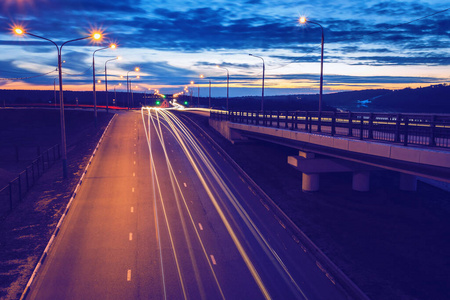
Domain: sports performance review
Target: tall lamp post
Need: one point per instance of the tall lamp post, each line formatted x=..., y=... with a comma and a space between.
x=303, y=20
x=112, y=46
x=128, y=85
x=106, y=79
x=95, y=36
x=228, y=82
x=264, y=69
x=203, y=77
x=54, y=90
x=191, y=91
x=115, y=95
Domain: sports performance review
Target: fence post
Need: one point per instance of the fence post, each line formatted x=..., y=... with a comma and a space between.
x=26, y=174
x=20, y=189
x=287, y=120
x=405, y=141
x=370, y=135
x=306, y=121
x=432, y=133
x=350, y=124
x=296, y=120
x=333, y=124
x=310, y=123
x=10, y=196
x=397, y=128
x=361, y=131
x=32, y=171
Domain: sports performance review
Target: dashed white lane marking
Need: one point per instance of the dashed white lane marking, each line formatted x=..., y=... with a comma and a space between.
x=130, y=236
x=134, y=174
x=132, y=190
x=213, y=260
x=185, y=185
x=134, y=152
x=200, y=226
x=134, y=162
x=132, y=209
x=135, y=145
x=129, y=275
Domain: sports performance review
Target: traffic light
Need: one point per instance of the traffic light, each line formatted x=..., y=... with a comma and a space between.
x=185, y=103
x=158, y=102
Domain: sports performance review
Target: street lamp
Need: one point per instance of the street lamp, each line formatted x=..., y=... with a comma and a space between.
x=95, y=36
x=106, y=80
x=303, y=20
x=128, y=85
x=228, y=82
x=264, y=68
x=191, y=92
x=115, y=95
x=203, y=77
x=112, y=46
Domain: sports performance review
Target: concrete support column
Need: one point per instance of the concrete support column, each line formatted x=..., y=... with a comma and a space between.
x=361, y=181
x=310, y=182
x=306, y=154
x=408, y=182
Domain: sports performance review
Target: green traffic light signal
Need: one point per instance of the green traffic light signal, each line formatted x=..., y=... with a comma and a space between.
x=185, y=103
x=158, y=102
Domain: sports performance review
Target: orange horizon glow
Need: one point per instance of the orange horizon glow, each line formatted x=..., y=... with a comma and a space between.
x=330, y=88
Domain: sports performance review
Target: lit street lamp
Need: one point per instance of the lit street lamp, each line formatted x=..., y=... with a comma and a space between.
x=95, y=36
x=112, y=46
x=106, y=80
x=228, y=82
x=303, y=20
x=264, y=68
x=191, y=92
x=203, y=77
x=115, y=95
x=128, y=85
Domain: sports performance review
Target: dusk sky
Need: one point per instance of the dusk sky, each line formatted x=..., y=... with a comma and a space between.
x=368, y=44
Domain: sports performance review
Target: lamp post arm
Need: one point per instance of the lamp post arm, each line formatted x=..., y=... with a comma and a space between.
x=43, y=38
x=79, y=39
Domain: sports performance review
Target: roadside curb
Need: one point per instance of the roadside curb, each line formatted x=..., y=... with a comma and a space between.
x=58, y=226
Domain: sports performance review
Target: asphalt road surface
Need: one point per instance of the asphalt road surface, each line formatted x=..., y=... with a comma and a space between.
x=163, y=214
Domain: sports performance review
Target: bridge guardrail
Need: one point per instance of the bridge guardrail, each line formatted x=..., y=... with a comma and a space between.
x=407, y=129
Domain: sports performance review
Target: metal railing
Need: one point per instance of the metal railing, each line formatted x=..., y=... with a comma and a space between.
x=407, y=129
x=12, y=194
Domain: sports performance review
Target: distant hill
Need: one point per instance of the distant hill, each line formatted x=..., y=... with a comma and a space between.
x=431, y=99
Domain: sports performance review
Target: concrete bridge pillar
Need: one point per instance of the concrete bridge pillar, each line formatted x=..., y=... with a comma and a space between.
x=310, y=182
x=361, y=181
x=408, y=182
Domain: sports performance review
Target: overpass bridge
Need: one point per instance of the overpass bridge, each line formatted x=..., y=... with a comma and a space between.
x=415, y=145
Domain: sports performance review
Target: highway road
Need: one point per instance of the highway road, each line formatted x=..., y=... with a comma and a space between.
x=163, y=214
